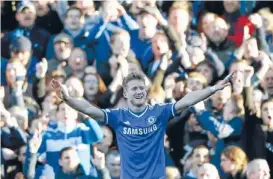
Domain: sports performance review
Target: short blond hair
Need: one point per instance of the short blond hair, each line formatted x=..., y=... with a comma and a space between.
x=133, y=76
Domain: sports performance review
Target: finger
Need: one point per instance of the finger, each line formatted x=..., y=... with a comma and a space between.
x=95, y=150
x=227, y=84
x=228, y=77
x=44, y=60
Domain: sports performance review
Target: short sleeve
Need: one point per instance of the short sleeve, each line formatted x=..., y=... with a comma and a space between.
x=168, y=110
x=111, y=117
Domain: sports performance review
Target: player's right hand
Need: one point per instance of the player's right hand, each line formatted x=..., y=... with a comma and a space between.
x=61, y=89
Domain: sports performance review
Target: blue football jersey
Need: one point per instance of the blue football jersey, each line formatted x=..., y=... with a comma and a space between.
x=140, y=139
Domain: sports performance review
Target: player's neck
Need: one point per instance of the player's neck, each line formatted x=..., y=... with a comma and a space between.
x=137, y=109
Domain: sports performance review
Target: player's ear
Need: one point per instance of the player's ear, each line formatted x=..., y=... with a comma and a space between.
x=125, y=93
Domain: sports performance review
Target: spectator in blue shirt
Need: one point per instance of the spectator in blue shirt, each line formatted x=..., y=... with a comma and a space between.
x=26, y=15
x=199, y=156
x=70, y=133
x=227, y=130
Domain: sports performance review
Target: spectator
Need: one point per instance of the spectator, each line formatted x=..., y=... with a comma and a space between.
x=78, y=135
x=268, y=83
x=161, y=52
x=205, y=21
x=20, y=49
x=267, y=25
x=75, y=87
x=89, y=10
x=15, y=77
x=234, y=162
x=260, y=128
x=74, y=27
x=47, y=18
x=199, y=156
x=178, y=47
x=228, y=129
x=21, y=115
x=208, y=171
x=113, y=13
x=196, y=81
x=107, y=140
x=137, y=6
x=26, y=15
x=172, y=173
x=140, y=39
x=93, y=85
x=218, y=101
x=77, y=62
x=63, y=46
x=12, y=138
x=218, y=41
x=113, y=164
x=120, y=54
x=258, y=168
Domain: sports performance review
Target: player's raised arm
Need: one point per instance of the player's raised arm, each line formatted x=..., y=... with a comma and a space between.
x=80, y=105
x=196, y=96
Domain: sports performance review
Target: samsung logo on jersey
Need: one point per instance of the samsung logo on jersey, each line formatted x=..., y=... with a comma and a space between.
x=139, y=131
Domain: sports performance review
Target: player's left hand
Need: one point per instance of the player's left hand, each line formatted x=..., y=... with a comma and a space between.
x=225, y=82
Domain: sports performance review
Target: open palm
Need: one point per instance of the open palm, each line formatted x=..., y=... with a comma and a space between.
x=61, y=89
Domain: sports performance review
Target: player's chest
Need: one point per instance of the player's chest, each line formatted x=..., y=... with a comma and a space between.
x=146, y=125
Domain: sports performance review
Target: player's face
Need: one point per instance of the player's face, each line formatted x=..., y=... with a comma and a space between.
x=136, y=93
x=199, y=157
x=267, y=113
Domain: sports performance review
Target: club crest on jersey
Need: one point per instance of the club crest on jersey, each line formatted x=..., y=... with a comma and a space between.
x=151, y=120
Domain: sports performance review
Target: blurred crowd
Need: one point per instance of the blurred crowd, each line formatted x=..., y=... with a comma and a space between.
x=180, y=46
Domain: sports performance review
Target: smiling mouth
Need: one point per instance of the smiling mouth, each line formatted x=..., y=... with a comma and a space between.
x=138, y=96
